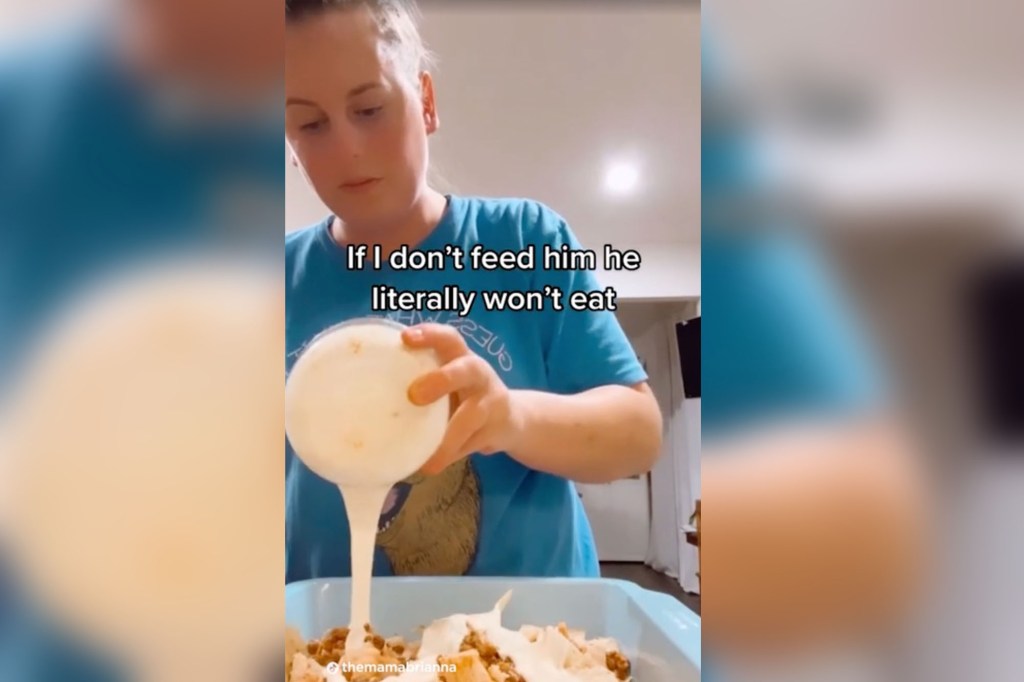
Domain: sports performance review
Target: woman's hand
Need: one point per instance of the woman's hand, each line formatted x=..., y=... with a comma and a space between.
x=484, y=416
x=596, y=436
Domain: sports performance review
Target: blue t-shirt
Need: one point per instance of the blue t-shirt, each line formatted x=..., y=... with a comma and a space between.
x=486, y=515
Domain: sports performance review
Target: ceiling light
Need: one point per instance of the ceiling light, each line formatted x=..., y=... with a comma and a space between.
x=621, y=178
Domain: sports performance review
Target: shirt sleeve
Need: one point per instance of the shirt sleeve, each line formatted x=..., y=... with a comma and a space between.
x=583, y=349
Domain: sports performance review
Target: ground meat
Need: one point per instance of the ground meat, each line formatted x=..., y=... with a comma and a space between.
x=488, y=652
x=393, y=650
x=478, y=656
x=618, y=664
x=330, y=649
x=508, y=669
x=377, y=641
x=490, y=657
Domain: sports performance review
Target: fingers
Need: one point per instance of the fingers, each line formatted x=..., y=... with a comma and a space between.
x=466, y=373
x=445, y=340
x=480, y=442
x=465, y=423
x=466, y=378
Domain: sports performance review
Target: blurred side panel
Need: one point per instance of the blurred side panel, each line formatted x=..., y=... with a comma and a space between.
x=140, y=176
x=887, y=135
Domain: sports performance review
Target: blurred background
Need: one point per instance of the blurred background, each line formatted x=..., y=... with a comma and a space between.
x=141, y=205
x=888, y=136
x=894, y=129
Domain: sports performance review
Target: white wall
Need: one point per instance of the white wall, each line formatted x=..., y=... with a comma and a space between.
x=668, y=272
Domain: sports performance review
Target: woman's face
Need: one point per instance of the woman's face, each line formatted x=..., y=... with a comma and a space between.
x=203, y=41
x=356, y=125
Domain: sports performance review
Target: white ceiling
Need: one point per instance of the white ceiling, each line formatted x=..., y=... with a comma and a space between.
x=536, y=101
x=942, y=82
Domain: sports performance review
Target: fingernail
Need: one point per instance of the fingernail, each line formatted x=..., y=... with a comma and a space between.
x=414, y=334
x=415, y=393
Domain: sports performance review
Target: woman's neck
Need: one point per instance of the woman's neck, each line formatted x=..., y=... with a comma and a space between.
x=410, y=229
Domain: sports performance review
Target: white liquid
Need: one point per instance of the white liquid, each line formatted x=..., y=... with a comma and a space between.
x=363, y=507
x=551, y=657
x=349, y=419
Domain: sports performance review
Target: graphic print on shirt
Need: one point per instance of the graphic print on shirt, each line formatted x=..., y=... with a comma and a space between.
x=431, y=524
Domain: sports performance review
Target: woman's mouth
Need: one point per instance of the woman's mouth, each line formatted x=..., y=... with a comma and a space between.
x=360, y=184
x=397, y=496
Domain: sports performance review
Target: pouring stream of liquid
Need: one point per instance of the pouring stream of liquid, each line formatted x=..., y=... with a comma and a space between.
x=363, y=506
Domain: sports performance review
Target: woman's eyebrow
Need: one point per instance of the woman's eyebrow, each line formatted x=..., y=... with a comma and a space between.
x=354, y=92
x=360, y=89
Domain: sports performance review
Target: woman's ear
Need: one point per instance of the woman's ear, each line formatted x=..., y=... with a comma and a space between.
x=430, y=118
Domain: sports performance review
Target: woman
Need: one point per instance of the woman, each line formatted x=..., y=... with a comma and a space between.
x=543, y=397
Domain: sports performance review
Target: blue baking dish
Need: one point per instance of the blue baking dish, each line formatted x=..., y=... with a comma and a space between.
x=659, y=634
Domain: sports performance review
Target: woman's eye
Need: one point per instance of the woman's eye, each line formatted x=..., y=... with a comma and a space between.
x=369, y=112
x=313, y=126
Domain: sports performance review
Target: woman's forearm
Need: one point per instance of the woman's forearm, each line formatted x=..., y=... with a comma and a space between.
x=812, y=533
x=596, y=436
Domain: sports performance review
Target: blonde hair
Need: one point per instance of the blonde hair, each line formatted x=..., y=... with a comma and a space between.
x=397, y=23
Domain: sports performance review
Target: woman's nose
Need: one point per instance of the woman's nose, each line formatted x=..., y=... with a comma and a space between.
x=350, y=142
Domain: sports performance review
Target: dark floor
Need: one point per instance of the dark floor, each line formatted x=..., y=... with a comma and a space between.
x=648, y=578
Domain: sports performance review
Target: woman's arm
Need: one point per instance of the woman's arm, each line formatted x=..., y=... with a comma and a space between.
x=808, y=534
x=597, y=436
x=594, y=436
